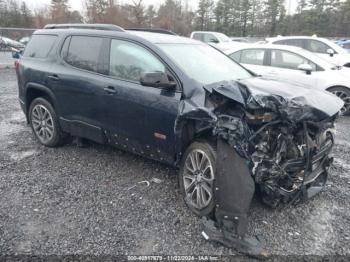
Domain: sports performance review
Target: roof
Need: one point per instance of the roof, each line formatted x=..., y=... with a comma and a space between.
x=292, y=37
x=155, y=38
x=265, y=46
x=163, y=38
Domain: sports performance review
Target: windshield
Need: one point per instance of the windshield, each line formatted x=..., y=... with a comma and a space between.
x=203, y=63
x=223, y=38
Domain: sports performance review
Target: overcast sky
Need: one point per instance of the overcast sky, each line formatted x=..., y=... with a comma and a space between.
x=78, y=4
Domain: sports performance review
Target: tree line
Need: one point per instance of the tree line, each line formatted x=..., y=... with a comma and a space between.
x=233, y=17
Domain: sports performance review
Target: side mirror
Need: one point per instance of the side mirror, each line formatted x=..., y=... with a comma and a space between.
x=306, y=68
x=330, y=52
x=157, y=79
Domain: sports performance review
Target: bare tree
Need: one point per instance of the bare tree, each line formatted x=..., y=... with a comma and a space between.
x=138, y=12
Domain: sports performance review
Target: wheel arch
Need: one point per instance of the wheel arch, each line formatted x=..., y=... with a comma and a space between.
x=345, y=110
x=189, y=133
x=33, y=91
x=335, y=86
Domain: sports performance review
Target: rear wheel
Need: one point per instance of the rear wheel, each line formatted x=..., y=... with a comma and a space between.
x=344, y=94
x=44, y=123
x=197, y=177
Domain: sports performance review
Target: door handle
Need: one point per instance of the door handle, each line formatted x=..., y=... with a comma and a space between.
x=54, y=77
x=110, y=90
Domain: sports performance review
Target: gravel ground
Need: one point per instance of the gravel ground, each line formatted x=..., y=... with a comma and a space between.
x=6, y=60
x=89, y=201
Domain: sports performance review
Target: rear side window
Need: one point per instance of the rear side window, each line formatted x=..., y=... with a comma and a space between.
x=236, y=56
x=85, y=52
x=252, y=56
x=39, y=46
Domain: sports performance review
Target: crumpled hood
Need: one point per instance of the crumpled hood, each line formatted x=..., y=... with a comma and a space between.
x=294, y=103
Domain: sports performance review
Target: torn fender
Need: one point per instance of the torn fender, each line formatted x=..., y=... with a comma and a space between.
x=235, y=189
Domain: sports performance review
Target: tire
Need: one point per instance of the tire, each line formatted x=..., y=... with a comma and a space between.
x=197, y=184
x=344, y=94
x=44, y=123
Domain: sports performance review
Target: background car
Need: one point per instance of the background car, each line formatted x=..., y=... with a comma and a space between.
x=345, y=44
x=7, y=42
x=24, y=40
x=322, y=47
x=219, y=40
x=295, y=65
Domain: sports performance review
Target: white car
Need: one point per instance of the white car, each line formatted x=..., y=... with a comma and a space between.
x=322, y=47
x=216, y=39
x=297, y=65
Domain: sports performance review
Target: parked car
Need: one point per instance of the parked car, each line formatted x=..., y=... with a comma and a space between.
x=322, y=47
x=239, y=39
x=183, y=103
x=9, y=43
x=296, y=65
x=216, y=39
x=24, y=40
x=345, y=44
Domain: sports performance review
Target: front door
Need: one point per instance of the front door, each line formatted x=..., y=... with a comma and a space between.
x=284, y=66
x=138, y=118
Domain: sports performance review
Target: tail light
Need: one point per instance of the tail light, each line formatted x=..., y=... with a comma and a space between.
x=17, y=63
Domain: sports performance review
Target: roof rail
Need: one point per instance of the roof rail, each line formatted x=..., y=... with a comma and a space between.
x=153, y=30
x=107, y=27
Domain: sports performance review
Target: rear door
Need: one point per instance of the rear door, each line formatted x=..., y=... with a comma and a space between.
x=139, y=118
x=78, y=82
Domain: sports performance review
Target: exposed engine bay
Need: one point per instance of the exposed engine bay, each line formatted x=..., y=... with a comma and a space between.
x=287, y=161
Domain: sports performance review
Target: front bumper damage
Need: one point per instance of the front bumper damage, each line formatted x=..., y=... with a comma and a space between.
x=272, y=140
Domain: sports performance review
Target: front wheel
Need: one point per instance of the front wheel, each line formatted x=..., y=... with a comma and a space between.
x=344, y=94
x=197, y=178
x=44, y=123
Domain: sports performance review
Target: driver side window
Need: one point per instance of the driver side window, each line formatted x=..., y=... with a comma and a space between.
x=289, y=60
x=317, y=46
x=128, y=61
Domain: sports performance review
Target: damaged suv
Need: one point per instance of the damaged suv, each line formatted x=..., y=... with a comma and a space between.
x=182, y=102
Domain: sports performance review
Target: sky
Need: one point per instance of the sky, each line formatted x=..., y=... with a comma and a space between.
x=78, y=4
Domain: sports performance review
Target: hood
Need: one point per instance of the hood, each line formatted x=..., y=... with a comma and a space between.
x=294, y=103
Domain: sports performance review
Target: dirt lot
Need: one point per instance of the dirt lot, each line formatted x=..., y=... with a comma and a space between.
x=74, y=200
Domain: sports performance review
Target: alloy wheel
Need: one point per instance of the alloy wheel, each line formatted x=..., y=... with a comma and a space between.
x=42, y=123
x=198, y=179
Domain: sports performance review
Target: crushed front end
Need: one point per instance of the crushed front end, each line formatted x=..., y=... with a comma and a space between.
x=276, y=144
x=289, y=162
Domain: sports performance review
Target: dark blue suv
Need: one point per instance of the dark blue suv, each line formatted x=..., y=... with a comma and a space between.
x=181, y=102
